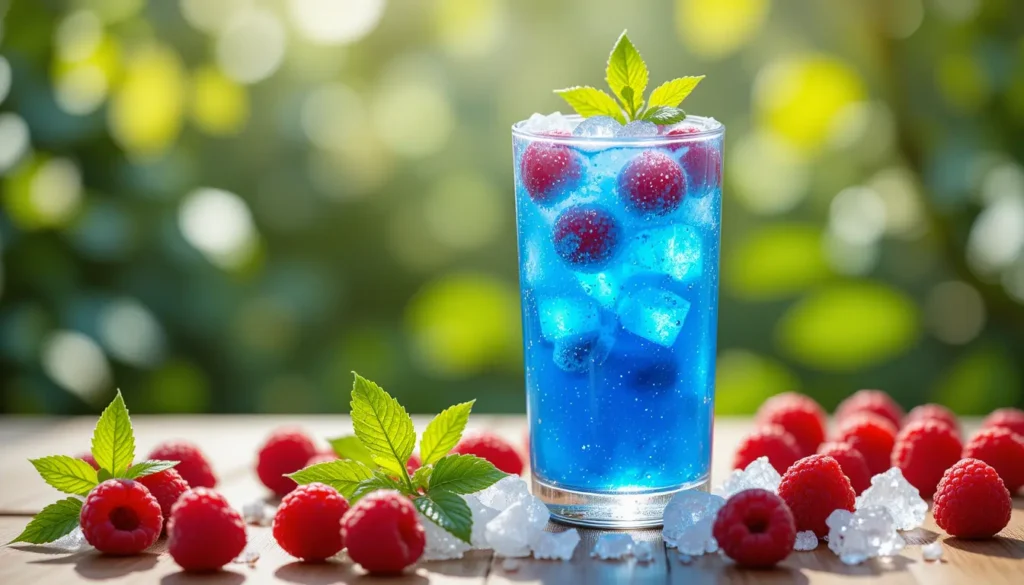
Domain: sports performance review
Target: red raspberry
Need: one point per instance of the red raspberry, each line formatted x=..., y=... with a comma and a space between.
x=1009, y=418
x=413, y=463
x=88, y=458
x=383, y=532
x=799, y=415
x=322, y=457
x=1003, y=450
x=923, y=451
x=814, y=487
x=121, y=517
x=935, y=412
x=971, y=501
x=703, y=163
x=492, y=448
x=205, y=532
x=549, y=171
x=652, y=183
x=586, y=236
x=166, y=486
x=755, y=528
x=286, y=451
x=873, y=401
x=873, y=436
x=192, y=465
x=854, y=467
x=308, y=522
x=771, y=441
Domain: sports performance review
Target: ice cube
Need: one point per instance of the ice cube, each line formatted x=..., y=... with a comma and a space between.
x=510, y=565
x=556, y=545
x=932, y=551
x=673, y=250
x=759, y=474
x=654, y=314
x=688, y=519
x=603, y=287
x=638, y=129
x=643, y=551
x=867, y=533
x=597, y=127
x=257, y=513
x=515, y=528
x=441, y=545
x=481, y=516
x=890, y=490
x=547, y=124
x=806, y=540
x=579, y=354
x=71, y=542
x=685, y=558
x=562, y=317
x=700, y=211
x=614, y=545
x=503, y=493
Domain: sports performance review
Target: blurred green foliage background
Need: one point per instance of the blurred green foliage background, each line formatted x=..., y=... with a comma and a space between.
x=228, y=205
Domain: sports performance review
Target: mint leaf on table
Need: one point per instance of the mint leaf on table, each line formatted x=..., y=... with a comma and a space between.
x=588, y=101
x=113, y=443
x=626, y=68
x=53, y=522
x=463, y=474
x=68, y=474
x=447, y=510
x=342, y=475
x=444, y=432
x=148, y=468
x=349, y=447
x=672, y=93
x=663, y=115
x=382, y=425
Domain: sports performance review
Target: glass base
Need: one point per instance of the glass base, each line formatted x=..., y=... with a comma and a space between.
x=609, y=510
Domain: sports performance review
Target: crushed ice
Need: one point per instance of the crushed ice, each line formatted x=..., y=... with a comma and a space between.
x=71, y=542
x=643, y=551
x=637, y=129
x=890, y=490
x=249, y=556
x=759, y=474
x=867, y=533
x=805, y=540
x=932, y=551
x=258, y=513
x=555, y=545
x=597, y=127
x=613, y=546
x=688, y=520
x=544, y=124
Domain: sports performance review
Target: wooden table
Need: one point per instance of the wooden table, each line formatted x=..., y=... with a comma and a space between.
x=231, y=442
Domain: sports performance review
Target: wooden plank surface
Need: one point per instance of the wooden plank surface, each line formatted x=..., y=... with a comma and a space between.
x=231, y=444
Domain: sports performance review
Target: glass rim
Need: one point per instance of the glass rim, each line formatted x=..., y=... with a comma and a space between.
x=715, y=130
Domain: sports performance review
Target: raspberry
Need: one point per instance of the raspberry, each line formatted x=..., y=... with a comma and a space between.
x=755, y=528
x=204, y=532
x=873, y=401
x=652, y=183
x=494, y=449
x=121, y=517
x=813, y=488
x=383, y=532
x=1003, y=450
x=166, y=486
x=854, y=467
x=192, y=465
x=88, y=458
x=771, y=441
x=703, y=163
x=413, y=463
x=1009, y=418
x=286, y=451
x=923, y=451
x=322, y=457
x=935, y=412
x=586, y=236
x=549, y=171
x=873, y=436
x=799, y=415
x=308, y=522
x=971, y=501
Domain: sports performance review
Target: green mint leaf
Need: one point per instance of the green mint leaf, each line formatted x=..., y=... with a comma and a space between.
x=421, y=479
x=68, y=474
x=379, y=481
x=588, y=101
x=627, y=98
x=53, y=522
x=113, y=443
x=463, y=474
x=672, y=93
x=148, y=468
x=626, y=68
x=664, y=115
x=444, y=432
x=349, y=447
x=342, y=475
x=447, y=510
x=103, y=475
x=382, y=425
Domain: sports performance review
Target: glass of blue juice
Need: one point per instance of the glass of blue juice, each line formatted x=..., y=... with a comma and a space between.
x=618, y=266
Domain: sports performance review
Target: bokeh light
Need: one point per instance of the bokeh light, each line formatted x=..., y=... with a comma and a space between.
x=955, y=312
x=131, y=333
x=219, y=106
x=470, y=28
x=251, y=45
x=76, y=363
x=146, y=113
x=14, y=140
x=335, y=22
x=716, y=28
x=211, y=17
x=219, y=225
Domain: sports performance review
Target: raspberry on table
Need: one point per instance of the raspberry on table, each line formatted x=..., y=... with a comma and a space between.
x=799, y=415
x=703, y=163
x=493, y=448
x=549, y=171
x=1008, y=418
x=88, y=458
x=285, y=451
x=1003, y=450
x=652, y=183
x=121, y=517
x=813, y=488
x=755, y=528
x=971, y=501
x=204, y=532
x=193, y=466
x=771, y=441
x=322, y=457
x=923, y=451
x=383, y=532
x=854, y=467
x=935, y=412
x=873, y=401
x=308, y=522
x=872, y=435
x=166, y=486
x=586, y=237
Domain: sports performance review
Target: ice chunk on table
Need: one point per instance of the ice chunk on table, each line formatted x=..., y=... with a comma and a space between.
x=759, y=474
x=512, y=532
x=806, y=540
x=643, y=551
x=615, y=545
x=441, y=545
x=932, y=551
x=503, y=493
x=688, y=519
x=654, y=314
x=867, y=533
x=597, y=127
x=71, y=542
x=673, y=250
x=890, y=490
x=556, y=545
x=549, y=123
x=638, y=129
x=562, y=317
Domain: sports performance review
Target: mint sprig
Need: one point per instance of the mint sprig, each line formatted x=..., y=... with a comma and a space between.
x=376, y=457
x=113, y=447
x=627, y=76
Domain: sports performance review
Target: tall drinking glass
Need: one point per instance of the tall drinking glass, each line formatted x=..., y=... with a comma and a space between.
x=618, y=269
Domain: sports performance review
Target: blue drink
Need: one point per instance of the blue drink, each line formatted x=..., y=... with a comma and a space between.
x=618, y=250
